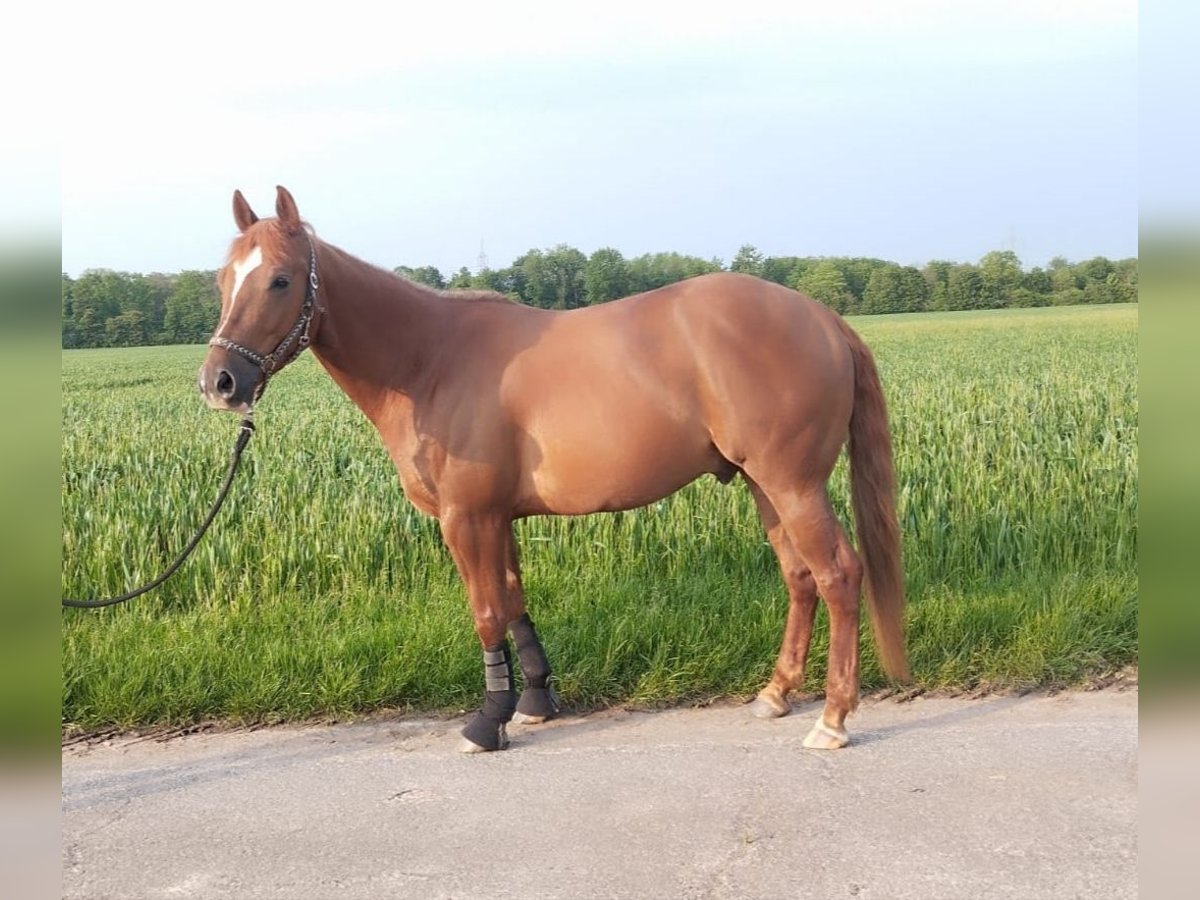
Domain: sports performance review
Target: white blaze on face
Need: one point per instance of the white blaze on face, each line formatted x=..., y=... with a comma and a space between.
x=241, y=269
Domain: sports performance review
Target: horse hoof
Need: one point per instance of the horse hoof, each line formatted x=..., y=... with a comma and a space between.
x=537, y=705
x=769, y=708
x=822, y=737
x=466, y=745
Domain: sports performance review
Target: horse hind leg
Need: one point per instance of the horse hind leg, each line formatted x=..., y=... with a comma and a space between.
x=772, y=700
x=837, y=571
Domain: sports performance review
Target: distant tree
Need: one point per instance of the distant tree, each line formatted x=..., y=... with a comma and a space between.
x=127, y=329
x=1121, y=289
x=882, y=294
x=511, y=281
x=856, y=270
x=487, y=280
x=1111, y=290
x=655, y=270
x=192, y=308
x=536, y=287
x=1063, y=280
x=1127, y=269
x=69, y=338
x=1001, y=274
x=1037, y=280
x=965, y=289
x=1072, y=296
x=1104, y=281
x=1096, y=269
x=103, y=307
x=96, y=297
x=552, y=279
x=748, y=261
x=1127, y=272
x=937, y=276
x=564, y=266
x=825, y=282
x=894, y=289
x=151, y=299
x=460, y=280
x=784, y=270
x=914, y=289
x=427, y=275
x=1024, y=297
x=606, y=276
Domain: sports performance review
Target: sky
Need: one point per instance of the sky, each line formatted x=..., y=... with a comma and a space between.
x=906, y=131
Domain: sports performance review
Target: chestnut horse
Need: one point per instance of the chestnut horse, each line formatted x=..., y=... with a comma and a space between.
x=492, y=411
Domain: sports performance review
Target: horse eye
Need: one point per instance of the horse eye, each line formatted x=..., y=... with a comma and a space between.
x=280, y=283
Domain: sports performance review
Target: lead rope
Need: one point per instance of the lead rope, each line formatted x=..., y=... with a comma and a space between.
x=269, y=364
x=245, y=433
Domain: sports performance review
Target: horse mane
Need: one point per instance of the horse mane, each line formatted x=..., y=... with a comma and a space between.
x=471, y=295
x=272, y=238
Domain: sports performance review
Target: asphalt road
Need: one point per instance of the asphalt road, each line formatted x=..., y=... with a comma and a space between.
x=1021, y=797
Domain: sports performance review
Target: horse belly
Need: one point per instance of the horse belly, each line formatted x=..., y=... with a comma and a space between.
x=603, y=466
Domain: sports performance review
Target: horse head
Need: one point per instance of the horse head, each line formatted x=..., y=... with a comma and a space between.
x=268, y=294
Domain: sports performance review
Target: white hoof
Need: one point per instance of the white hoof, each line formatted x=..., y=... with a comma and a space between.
x=763, y=708
x=521, y=719
x=468, y=746
x=822, y=737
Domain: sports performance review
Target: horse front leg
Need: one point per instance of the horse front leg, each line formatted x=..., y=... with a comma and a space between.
x=478, y=544
x=539, y=701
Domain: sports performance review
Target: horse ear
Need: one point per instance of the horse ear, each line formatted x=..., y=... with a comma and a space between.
x=242, y=213
x=285, y=208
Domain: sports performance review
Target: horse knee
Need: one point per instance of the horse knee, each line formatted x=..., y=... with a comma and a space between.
x=489, y=626
x=839, y=584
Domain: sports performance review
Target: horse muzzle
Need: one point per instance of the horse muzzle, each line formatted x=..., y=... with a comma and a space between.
x=227, y=382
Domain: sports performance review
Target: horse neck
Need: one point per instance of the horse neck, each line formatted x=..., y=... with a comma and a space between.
x=377, y=332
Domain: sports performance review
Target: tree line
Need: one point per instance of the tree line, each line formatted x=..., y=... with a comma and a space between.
x=103, y=308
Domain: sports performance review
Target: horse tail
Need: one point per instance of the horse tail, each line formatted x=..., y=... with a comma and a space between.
x=873, y=495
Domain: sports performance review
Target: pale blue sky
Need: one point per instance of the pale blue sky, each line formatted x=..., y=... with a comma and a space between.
x=905, y=131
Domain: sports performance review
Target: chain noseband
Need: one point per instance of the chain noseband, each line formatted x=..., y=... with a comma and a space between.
x=300, y=333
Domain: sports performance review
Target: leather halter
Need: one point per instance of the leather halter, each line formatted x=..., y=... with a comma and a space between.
x=300, y=333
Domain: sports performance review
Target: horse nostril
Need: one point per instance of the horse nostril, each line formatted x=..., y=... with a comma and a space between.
x=225, y=384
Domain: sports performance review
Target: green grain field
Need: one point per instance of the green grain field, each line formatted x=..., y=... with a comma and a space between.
x=320, y=591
